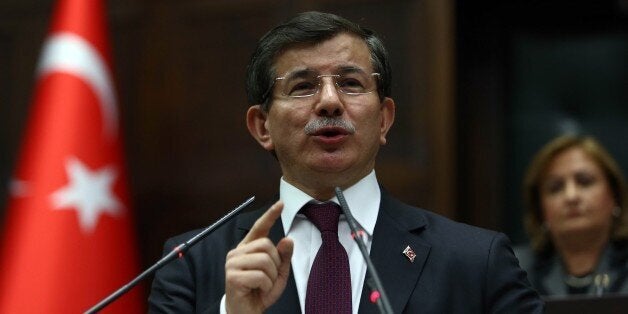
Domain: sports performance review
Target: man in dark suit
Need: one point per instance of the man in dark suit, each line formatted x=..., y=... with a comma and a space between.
x=319, y=89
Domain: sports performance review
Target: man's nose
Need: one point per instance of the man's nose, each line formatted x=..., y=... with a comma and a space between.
x=329, y=102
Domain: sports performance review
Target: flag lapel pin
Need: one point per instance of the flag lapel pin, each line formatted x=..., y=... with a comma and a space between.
x=409, y=253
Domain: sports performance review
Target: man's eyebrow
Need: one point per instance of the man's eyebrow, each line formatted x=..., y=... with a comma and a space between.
x=349, y=69
x=303, y=72
x=299, y=73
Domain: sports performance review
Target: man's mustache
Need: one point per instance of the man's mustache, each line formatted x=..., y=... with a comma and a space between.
x=315, y=125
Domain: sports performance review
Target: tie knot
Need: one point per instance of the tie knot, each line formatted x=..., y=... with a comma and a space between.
x=324, y=216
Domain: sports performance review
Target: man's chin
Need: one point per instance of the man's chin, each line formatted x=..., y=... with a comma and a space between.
x=331, y=164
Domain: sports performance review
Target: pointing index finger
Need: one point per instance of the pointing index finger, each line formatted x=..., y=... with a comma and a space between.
x=264, y=223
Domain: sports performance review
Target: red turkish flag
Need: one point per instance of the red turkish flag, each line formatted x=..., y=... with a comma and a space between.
x=69, y=236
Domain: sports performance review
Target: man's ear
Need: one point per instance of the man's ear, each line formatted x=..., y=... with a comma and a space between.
x=256, y=121
x=388, y=117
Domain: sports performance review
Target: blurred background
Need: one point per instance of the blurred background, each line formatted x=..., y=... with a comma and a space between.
x=479, y=87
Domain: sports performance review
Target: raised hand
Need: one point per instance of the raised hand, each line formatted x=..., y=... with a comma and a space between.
x=256, y=270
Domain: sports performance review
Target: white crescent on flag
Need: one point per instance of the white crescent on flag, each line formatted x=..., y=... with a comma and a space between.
x=69, y=53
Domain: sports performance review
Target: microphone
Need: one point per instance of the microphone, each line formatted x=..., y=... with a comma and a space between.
x=178, y=251
x=378, y=295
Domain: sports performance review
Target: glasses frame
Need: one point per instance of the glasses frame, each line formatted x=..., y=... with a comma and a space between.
x=319, y=85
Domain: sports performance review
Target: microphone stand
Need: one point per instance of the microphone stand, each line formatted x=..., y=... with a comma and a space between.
x=178, y=251
x=378, y=295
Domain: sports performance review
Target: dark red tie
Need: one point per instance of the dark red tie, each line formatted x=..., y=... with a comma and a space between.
x=329, y=284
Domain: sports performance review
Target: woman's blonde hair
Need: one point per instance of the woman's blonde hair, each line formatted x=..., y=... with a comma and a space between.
x=533, y=217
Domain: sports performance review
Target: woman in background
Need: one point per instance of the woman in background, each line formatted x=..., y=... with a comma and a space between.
x=575, y=197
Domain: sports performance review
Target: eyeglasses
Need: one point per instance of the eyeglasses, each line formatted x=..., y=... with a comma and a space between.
x=306, y=83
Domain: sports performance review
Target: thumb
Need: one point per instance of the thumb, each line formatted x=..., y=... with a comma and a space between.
x=285, y=248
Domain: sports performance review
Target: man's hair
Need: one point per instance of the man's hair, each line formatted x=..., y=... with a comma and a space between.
x=308, y=28
x=537, y=170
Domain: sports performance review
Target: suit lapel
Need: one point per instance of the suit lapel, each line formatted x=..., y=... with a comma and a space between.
x=396, y=229
x=289, y=300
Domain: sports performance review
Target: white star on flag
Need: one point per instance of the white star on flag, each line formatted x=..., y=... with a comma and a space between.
x=88, y=192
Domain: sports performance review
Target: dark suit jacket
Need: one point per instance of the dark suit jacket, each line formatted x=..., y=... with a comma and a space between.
x=458, y=268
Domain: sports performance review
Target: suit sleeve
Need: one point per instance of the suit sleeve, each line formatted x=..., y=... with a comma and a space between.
x=508, y=289
x=173, y=289
x=194, y=283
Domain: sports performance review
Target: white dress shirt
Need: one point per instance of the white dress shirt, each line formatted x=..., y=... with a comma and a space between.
x=363, y=199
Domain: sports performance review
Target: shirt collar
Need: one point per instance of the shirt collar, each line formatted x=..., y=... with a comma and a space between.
x=363, y=199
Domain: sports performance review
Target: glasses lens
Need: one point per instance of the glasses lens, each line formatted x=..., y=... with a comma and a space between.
x=300, y=84
x=356, y=83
